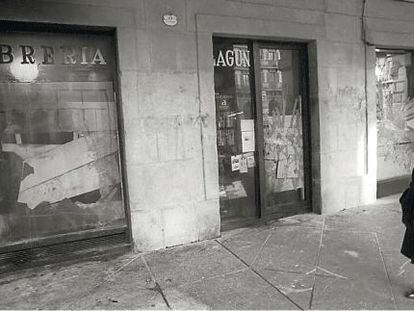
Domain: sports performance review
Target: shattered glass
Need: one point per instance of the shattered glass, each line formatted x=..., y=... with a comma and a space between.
x=59, y=155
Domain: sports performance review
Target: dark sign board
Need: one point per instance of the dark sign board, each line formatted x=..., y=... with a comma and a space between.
x=57, y=57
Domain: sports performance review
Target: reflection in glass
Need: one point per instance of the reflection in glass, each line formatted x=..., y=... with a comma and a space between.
x=235, y=130
x=282, y=121
x=395, y=113
x=24, y=72
x=59, y=161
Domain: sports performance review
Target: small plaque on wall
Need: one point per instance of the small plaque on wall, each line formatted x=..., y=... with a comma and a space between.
x=170, y=19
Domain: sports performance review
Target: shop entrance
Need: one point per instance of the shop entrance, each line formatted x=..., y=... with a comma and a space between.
x=262, y=129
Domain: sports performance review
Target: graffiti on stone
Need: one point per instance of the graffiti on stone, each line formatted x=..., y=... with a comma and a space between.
x=344, y=113
x=347, y=103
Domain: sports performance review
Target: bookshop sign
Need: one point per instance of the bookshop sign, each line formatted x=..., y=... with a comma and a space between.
x=62, y=57
x=234, y=57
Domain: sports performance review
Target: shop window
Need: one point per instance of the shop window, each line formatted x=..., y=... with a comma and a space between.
x=395, y=113
x=59, y=155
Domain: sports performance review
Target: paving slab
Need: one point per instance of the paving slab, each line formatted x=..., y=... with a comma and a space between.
x=290, y=249
x=359, y=267
x=390, y=239
x=57, y=285
x=391, y=199
x=297, y=286
x=287, y=261
x=359, y=278
x=391, y=233
x=175, y=266
x=401, y=274
x=130, y=288
x=308, y=220
x=181, y=299
x=370, y=218
x=241, y=291
x=123, y=297
x=247, y=244
x=339, y=294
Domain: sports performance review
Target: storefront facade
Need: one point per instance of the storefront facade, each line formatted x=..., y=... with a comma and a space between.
x=166, y=120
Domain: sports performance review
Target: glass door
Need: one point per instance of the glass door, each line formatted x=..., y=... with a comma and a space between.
x=235, y=121
x=281, y=99
x=262, y=136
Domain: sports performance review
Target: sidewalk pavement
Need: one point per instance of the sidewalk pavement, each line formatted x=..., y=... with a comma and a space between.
x=349, y=260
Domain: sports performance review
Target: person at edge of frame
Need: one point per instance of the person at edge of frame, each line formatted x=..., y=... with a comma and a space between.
x=407, y=206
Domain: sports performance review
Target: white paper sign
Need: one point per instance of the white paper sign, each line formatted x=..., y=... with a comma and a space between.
x=170, y=19
x=235, y=162
x=248, y=143
x=243, y=165
x=247, y=125
x=236, y=190
x=250, y=161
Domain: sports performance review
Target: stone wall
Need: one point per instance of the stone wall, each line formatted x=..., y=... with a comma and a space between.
x=167, y=96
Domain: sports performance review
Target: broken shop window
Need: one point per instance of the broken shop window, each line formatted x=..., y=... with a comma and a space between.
x=59, y=150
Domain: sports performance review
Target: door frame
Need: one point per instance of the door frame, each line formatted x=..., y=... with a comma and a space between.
x=256, y=91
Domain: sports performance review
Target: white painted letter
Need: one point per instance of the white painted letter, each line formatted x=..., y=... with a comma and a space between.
x=239, y=62
x=230, y=58
x=246, y=58
x=69, y=56
x=98, y=58
x=220, y=60
x=84, y=61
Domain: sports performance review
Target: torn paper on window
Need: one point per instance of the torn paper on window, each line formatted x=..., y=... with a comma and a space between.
x=248, y=142
x=250, y=161
x=247, y=125
x=243, y=165
x=235, y=162
x=236, y=190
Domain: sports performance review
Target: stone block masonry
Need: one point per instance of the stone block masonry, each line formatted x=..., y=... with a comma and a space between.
x=168, y=106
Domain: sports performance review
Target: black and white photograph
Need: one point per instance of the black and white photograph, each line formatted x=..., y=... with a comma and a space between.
x=206, y=154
